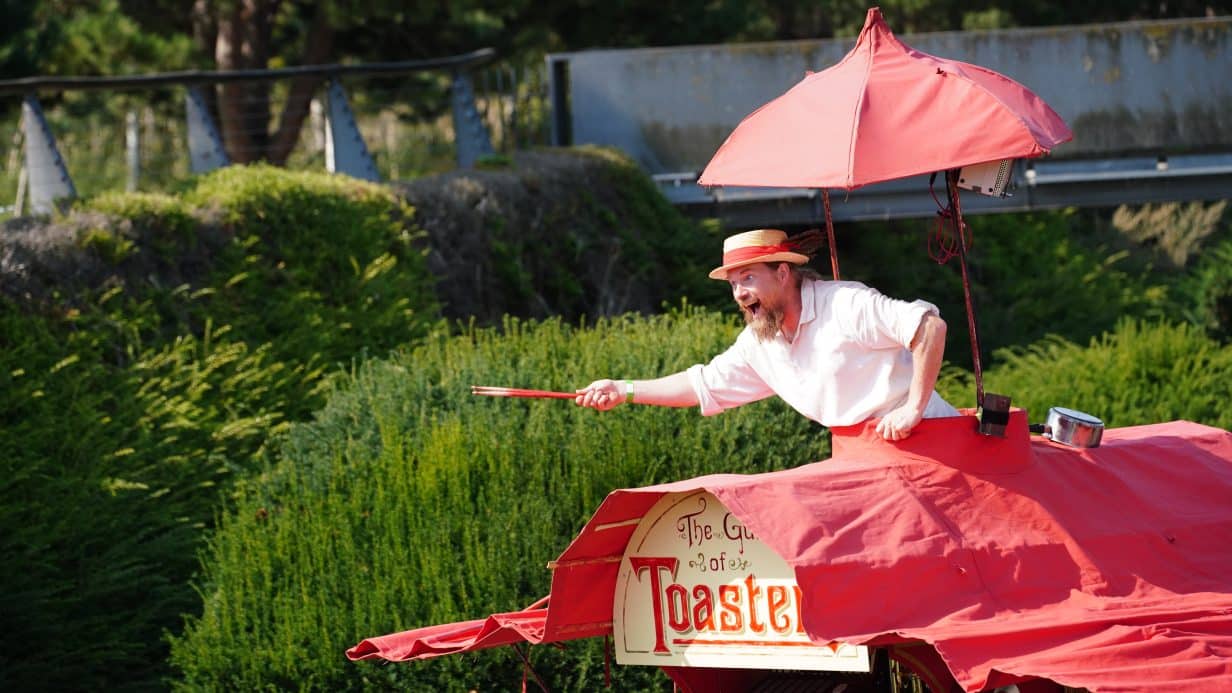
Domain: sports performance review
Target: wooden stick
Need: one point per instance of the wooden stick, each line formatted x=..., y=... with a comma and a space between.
x=825, y=199
x=487, y=391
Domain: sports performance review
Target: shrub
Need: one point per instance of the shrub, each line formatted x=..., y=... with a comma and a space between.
x=109, y=475
x=409, y=502
x=1208, y=292
x=1175, y=230
x=1139, y=373
x=1032, y=275
x=320, y=264
x=560, y=233
x=137, y=390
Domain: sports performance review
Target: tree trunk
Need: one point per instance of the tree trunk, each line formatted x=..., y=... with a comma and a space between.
x=228, y=55
x=318, y=48
x=243, y=42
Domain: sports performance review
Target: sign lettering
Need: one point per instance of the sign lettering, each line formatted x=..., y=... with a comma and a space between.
x=698, y=588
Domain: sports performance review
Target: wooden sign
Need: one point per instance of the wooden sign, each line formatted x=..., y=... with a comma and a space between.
x=696, y=588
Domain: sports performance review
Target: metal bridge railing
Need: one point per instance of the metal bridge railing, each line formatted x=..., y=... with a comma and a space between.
x=373, y=121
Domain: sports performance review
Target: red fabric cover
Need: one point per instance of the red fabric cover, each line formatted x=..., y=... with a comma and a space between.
x=885, y=111
x=1107, y=569
x=449, y=638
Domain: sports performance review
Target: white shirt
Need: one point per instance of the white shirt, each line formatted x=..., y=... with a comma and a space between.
x=850, y=360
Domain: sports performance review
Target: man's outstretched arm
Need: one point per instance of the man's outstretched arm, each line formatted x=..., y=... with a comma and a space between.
x=669, y=391
x=927, y=349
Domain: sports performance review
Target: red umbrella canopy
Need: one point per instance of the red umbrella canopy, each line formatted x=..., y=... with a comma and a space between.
x=885, y=111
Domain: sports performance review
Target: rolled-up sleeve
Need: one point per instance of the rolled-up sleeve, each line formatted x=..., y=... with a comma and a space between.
x=727, y=381
x=880, y=322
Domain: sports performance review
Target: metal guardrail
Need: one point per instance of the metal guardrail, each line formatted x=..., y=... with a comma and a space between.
x=1038, y=185
x=31, y=85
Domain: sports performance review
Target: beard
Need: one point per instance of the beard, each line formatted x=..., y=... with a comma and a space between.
x=766, y=322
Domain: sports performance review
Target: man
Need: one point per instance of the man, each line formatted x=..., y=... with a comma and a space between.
x=838, y=352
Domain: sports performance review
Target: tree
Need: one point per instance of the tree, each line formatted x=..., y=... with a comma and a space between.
x=20, y=40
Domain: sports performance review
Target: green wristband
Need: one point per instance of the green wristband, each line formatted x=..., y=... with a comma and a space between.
x=629, y=391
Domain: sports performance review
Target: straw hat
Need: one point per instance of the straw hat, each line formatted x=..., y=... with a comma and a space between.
x=750, y=247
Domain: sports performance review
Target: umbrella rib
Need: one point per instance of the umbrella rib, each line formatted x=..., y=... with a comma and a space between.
x=855, y=122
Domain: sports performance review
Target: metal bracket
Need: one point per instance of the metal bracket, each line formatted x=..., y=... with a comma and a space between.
x=50, y=184
x=471, y=137
x=994, y=414
x=345, y=149
x=205, y=150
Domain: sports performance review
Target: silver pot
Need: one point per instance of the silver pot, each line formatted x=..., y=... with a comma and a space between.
x=1074, y=428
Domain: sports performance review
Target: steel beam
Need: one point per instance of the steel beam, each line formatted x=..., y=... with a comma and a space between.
x=50, y=185
x=205, y=150
x=345, y=150
x=471, y=139
x=132, y=150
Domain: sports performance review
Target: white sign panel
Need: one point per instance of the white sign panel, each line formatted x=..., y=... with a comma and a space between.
x=696, y=588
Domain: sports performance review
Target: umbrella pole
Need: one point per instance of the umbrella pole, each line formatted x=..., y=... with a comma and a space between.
x=825, y=202
x=951, y=186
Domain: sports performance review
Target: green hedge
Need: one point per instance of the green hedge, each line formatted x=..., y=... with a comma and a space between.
x=1032, y=275
x=179, y=335
x=1138, y=373
x=561, y=233
x=1208, y=289
x=410, y=502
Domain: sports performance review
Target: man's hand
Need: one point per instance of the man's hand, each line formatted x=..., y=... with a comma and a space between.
x=601, y=394
x=898, y=424
x=927, y=347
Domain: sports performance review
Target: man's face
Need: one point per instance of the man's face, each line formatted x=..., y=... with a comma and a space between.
x=758, y=290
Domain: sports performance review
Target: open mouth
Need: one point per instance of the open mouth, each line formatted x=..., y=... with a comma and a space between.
x=753, y=309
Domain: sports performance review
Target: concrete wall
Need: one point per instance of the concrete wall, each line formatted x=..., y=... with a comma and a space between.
x=1133, y=88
